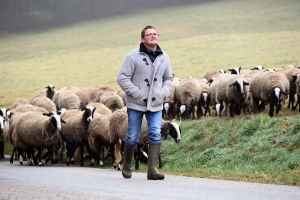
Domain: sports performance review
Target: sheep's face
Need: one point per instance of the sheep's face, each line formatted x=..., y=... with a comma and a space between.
x=175, y=131
x=1, y=123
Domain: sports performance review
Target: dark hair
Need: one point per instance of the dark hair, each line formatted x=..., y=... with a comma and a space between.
x=144, y=30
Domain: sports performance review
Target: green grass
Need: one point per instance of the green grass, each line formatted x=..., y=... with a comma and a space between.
x=198, y=38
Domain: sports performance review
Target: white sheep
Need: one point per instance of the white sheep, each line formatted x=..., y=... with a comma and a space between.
x=289, y=72
x=187, y=95
x=232, y=89
x=19, y=101
x=169, y=105
x=99, y=138
x=2, y=137
x=36, y=130
x=83, y=95
x=44, y=102
x=75, y=131
x=100, y=108
x=271, y=88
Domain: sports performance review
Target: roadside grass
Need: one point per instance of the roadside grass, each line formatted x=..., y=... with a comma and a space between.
x=198, y=38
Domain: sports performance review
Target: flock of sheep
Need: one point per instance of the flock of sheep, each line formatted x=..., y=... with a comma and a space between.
x=241, y=90
x=62, y=121
x=55, y=123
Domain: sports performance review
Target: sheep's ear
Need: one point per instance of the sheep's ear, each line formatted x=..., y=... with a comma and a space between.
x=245, y=83
x=283, y=92
x=62, y=121
x=46, y=114
x=232, y=85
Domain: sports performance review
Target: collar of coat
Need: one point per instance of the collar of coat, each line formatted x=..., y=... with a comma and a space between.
x=144, y=49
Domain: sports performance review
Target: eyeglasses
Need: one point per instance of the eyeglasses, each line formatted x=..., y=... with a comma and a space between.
x=152, y=35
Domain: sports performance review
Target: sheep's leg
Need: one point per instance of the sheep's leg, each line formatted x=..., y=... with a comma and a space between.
x=81, y=155
x=117, y=157
x=232, y=109
x=271, y=112
x=20, y=153
x=255, y=105
x=39, y=156
x=12, y=155
x=225, y=109
x=137, y=156
x=160, y=164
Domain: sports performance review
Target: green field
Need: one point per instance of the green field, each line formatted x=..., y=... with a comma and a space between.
x=198, y=38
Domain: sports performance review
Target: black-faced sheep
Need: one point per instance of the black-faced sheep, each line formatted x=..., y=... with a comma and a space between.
x=36, y=130
x=271, y=88
x=49, y=92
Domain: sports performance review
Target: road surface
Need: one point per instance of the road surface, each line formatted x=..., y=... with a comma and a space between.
x=72, y=182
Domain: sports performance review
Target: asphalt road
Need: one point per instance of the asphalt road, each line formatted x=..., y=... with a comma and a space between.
x=65, y=182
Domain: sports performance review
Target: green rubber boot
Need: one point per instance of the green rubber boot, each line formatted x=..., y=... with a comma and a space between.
x=153, y=173
x=128, y=153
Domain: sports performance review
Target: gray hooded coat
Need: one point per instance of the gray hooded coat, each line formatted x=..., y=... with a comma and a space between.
x=145, y=84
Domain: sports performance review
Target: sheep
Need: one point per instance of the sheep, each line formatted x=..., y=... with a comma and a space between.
x=297, y=84
x=44, y=102
x=210, y=74
x=36, y=130
x=67, y=100
x=236, y=70
x=204, y=100
x=169, y=105
x=269, y=87
x=232, y=90
x=83, y=95
x=2, y=137
x=289, y=72
x=19, y=101
x=97, y=91
x=111, y=100
x=29, y=107
x=75, y=130
x=121, y=93
x=187, y=95
x=107, y=96
x=49, y=92
x=214, y=84
x=64, y=93
x=100, y=108
x=99, y=137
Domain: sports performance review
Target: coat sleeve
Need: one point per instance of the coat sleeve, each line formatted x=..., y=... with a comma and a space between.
x=124, y=78
x=167, y=78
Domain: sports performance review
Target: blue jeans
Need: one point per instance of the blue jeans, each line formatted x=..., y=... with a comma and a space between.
x=135, y=118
